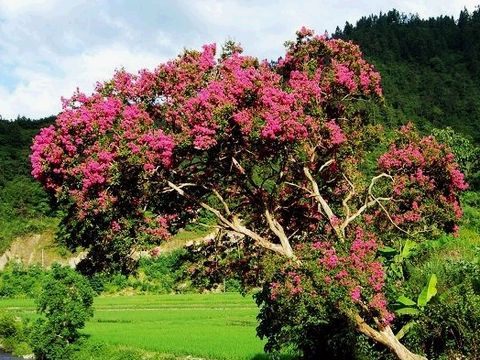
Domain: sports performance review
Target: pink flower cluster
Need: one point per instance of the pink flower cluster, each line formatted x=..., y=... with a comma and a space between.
x=345, y=77
x=79, y=156
x=422, y=169
x=358, y=271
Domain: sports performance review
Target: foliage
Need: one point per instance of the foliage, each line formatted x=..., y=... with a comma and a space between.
x=429, y=67
x=448, y=327
x=14, y=334
x=471, y=218
x=161, y=274
x=275, y=152
x=466, y=154
x=66, y=302
x=15, y=140
x=24, y=205
x=23, y=198
x=17, y=280
x=226, y=261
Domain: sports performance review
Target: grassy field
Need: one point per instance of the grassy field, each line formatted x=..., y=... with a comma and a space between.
x=212, y=326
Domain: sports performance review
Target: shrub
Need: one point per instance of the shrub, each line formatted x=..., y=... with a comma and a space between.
x=18, y=280
x=449, y=327
x=14, y=334
x=66, y=303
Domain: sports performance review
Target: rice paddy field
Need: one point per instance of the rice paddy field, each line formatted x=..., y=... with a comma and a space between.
x=207, y=326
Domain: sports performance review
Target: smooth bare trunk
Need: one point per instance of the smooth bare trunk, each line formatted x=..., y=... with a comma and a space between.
x=387, y=338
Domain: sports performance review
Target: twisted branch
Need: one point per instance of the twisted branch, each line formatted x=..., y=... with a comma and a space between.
x=235, y=224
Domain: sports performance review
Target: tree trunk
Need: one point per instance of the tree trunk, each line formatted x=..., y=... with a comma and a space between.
x=387, y=338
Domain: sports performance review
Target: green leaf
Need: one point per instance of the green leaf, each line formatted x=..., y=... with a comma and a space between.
x=429, y=291
x=406, y=301
x=405, y=329
x=408, y=248
x=407, y=311
x=397, y=270
x=387, y=250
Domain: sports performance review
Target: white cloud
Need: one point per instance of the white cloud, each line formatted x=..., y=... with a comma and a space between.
x=38, y=93
x=12, y=7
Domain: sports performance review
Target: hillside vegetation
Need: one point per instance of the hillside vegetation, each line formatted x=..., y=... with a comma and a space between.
x=430, y=67
x=24, y=206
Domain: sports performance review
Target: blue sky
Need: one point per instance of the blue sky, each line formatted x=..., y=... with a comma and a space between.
x=48, y=48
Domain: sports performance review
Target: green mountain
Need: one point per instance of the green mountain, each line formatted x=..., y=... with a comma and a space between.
x=430, y=67
x=24, y=206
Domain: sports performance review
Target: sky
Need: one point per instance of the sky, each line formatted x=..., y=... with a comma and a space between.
x=48, y=48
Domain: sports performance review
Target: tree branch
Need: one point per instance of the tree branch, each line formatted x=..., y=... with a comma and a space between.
x=322, y=203
x=278, y=230
x=169, y=189
x=348, y=197
x=225, y=206
x=385, y=337
x=235, y=225
x=370, y=200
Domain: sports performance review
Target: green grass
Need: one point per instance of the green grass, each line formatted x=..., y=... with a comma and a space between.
x=211, y=326
x=219, y=326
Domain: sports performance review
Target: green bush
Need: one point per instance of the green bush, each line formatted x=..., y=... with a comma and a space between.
x=449, y=327
x=160, y=274
x=66, y=303
x=471, y=210
x=18, y=280
x=14, y=334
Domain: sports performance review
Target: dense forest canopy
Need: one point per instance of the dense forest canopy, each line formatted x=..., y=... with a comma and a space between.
x=430, y=67
x=23, y=203
x=15, y=140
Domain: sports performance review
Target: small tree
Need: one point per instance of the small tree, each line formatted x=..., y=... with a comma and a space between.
x=66, y=302
x=279, y=153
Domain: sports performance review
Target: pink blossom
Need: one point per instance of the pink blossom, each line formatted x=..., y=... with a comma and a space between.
x=345, y=77
x=458, y=180
x=336, y=134
x=355, y=294
x=116, y=226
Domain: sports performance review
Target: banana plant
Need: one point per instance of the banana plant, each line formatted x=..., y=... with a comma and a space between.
x=397, y=258
x=407, y=306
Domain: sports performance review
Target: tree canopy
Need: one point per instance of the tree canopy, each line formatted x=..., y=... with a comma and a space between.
x=281, y=153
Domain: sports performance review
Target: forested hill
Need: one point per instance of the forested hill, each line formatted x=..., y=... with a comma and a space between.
x=430, y=67
x=24, y=206
x=15, y=140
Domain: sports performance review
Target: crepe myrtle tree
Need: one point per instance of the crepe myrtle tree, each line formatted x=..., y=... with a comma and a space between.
x=276, y=151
